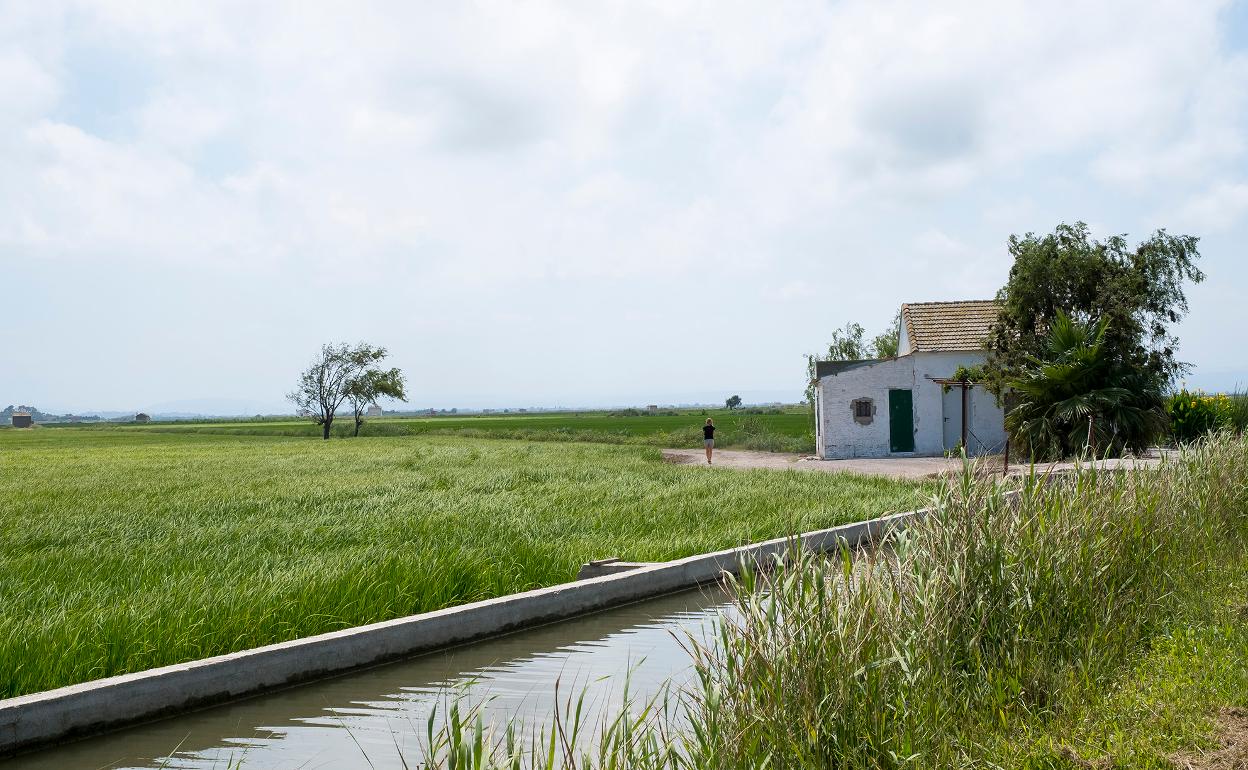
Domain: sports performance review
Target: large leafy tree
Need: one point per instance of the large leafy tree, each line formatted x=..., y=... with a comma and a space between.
x=1137, y=291
x=1079, y=389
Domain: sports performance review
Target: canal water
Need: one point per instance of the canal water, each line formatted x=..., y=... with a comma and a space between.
x=378, y=717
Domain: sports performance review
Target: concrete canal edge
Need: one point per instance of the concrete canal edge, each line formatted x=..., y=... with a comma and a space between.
x=36, y=720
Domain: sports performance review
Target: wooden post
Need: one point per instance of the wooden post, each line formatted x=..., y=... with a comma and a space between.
x=1091, y=438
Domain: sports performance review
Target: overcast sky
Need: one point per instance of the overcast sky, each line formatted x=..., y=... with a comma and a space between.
x=577, y=203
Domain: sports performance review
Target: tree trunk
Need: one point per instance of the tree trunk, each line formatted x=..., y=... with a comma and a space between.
x=325, y=429
x=357, y=426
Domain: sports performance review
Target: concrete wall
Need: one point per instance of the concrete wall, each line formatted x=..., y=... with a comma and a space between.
x=838, y=436
x=34, y=720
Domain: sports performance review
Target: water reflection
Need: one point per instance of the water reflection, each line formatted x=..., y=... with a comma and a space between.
x=382, y=713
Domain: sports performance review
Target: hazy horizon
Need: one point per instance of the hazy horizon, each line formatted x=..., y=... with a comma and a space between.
x=586, y=205
x=244, y=408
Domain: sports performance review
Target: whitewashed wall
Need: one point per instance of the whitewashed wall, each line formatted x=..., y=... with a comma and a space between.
x=987, y=424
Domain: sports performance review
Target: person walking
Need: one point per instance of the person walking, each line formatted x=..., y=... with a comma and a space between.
x=708, y=438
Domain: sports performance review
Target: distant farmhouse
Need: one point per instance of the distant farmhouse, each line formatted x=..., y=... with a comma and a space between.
x=22, y=420
x=141, y=417
x=909, y=405
x=374, y=411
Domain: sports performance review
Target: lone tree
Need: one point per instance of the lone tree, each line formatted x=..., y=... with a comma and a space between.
x=732, y=402
x=323, y=386
x=368, y=386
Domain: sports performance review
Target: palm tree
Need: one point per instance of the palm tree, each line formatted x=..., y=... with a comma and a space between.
x=1077, y=380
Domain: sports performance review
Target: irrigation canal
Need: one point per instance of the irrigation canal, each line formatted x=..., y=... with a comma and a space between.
x=381, y=713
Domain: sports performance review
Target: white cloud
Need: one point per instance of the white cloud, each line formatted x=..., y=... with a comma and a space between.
x=516, y=154
x=26, y=88
x=1222, y=206
x=937, y=243
x=791, y=291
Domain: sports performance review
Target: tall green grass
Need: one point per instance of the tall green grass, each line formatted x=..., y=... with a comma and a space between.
x=126, y=549
x=964, y=637
x=769, y=430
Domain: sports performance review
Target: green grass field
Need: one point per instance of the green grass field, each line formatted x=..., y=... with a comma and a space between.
x=123, y=549
x=787, y=430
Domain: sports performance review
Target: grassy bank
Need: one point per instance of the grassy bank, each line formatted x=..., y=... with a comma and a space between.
x=1099, y=622
x=772, y=430
x=126, y=549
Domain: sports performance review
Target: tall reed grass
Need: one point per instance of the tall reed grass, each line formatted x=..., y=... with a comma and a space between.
x=993, y=615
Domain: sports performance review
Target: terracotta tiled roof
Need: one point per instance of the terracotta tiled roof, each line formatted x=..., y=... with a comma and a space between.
x=936, y=326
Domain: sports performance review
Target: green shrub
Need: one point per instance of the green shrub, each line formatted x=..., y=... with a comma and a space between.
x=1194, y=415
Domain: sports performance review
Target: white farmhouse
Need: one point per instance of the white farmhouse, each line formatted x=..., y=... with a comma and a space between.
x=909, y=405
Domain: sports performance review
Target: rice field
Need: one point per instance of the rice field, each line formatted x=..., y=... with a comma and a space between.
x=125, y=549
x=786, y=430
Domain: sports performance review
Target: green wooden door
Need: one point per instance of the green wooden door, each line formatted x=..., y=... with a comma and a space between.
x=901, y=420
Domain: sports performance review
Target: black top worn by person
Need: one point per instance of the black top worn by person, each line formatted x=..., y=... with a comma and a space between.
x=708, y=432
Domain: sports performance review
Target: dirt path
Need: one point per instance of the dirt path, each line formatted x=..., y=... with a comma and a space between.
x=895, y=467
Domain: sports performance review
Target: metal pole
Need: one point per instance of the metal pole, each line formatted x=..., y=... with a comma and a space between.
x=964, y=447
x=1091, y=445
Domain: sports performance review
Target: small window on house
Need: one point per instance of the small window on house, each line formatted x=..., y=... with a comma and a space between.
x=864, y=410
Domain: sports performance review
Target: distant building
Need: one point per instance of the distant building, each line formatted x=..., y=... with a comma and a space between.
x=374, y=411
x=652, y=407
x=142, y=417
x=522, y=410
x=22, y=420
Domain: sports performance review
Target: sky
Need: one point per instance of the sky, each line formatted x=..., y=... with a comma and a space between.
x=541, y=204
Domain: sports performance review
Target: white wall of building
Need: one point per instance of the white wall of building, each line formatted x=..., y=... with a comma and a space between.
x=985, y=426
x=838, y=436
